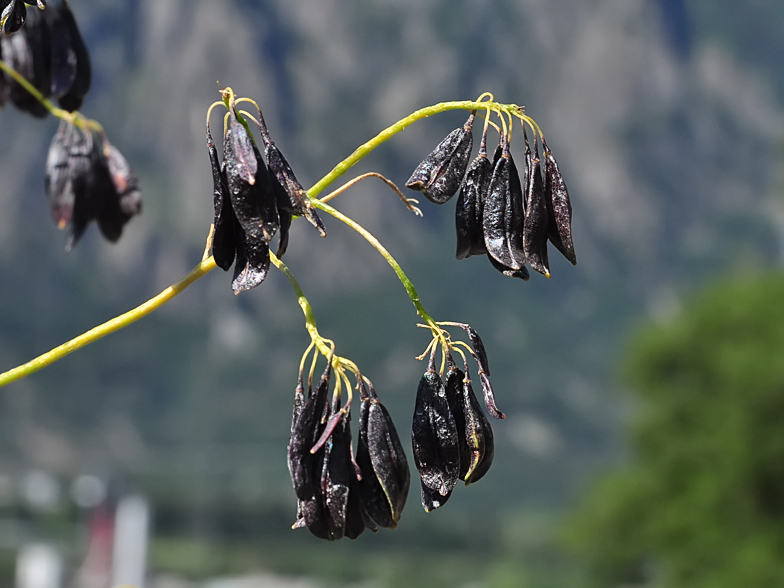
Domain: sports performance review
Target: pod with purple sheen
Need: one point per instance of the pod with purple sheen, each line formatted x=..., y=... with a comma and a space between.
x=559, y=207
x=440, y=174
x=470, y=205
x=59, y=180
x=536, y=223
x=434, y=437
x=489, y=396
x=336, y=476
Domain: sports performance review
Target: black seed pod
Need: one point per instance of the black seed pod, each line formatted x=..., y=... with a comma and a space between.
x=522, y=273
x=249, y=184
x=336, y=478
x=15, y=15
x=253, y=262
x=439, y=176
x=536, y=221
x=489, y=396
x=29, y=53
x=71, y=69
x=503, y=213
x=224, y=239
x=306, y=431
x=478, y=434
x=382, y=462
x=454, y=396
x=470, y=204
x=296, y=201
x=559, y=207
x=124, y=201
x=434, y=439
x=59, y=177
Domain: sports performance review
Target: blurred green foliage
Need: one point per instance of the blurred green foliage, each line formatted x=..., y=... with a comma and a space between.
x=703, y=503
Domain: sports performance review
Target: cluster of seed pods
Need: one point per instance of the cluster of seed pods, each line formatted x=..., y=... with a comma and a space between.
x=498, y=213
x=340, y=493
x=48, y=52
x=252, y=200
x=87, y=178
x=451, y=437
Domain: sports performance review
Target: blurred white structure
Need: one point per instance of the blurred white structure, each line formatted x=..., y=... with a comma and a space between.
x=131, y=531
x=39, y=565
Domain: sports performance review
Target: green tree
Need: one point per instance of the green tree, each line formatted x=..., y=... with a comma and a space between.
x=702, y=505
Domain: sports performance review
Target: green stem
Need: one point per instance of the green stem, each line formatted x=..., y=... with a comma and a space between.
x=393, y=130
x=310, y=320
x=20, y=79
x=108, y=327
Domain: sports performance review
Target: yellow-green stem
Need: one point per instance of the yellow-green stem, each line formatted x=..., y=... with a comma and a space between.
x=20, y=79
x=108, y=327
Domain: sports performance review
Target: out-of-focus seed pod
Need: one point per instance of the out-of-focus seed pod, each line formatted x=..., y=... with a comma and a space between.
x=536, y=223
x=122, y=203
x=470, y=204
x=439, y=176
x=59, y=181
x=503, y=213
x=71, y=68
x=559, y=207
x=87, y=202
x=14, y=16
x=382, y=462
x=434, y=439
x=224, y=245
x=2, y=81
x=296, y=201
x=29, y=53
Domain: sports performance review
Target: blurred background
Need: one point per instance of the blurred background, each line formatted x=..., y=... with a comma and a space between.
x=644, y=388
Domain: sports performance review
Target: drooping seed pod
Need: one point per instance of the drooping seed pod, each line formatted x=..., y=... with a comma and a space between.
x=382, y=462
x=297, y=201
x=59, y=180
x=470, y=204
x=224, y=244
x=2, y=82
x=502, y=219
x=306, y=431
x=249, y=184
x=124, y=201
x=559, y=207
x=14, y=16
x=522, y=273
x=489, y=396
x=536, y=223
x=29, y=53
x=434, y=440
x=439, y=176
x=71, y=68
x=336, y=477
x=253, y=262
x=87, y=202
x=478, y=435
x=453, y=387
